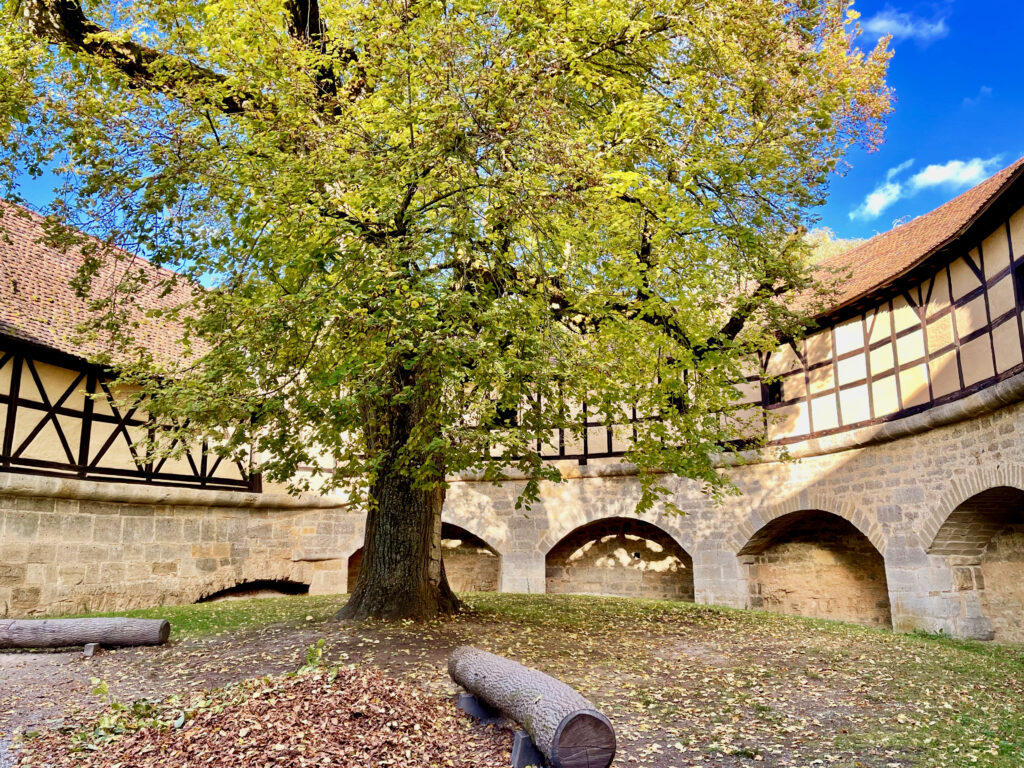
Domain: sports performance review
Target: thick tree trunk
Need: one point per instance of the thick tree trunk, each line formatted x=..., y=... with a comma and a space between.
x=401, y=575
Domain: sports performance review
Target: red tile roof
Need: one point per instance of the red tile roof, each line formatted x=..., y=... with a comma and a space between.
x=37, y=304
x=874, y=264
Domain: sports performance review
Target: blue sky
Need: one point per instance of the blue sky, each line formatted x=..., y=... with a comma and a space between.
x=958, y=73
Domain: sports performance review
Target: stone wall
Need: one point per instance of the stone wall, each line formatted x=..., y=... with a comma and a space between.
x=69, y=545
x=817, y=564
x=62, y=555
x=896, y=484
x=621, y=557
x=1002, y=584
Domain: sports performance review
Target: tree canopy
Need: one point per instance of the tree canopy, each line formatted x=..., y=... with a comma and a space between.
x=455, y=210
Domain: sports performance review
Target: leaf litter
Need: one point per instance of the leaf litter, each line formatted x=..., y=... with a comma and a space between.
x=342, y=717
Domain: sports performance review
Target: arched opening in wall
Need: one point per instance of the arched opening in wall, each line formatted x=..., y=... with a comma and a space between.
x=471, y=564
x=814, y=563
x=983, y=542
x=622, y=557
x=247, y=590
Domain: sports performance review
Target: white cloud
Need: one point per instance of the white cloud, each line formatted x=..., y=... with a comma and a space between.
x=954, y=175
x=906, y=26
x=882, y=196
x=983, y=93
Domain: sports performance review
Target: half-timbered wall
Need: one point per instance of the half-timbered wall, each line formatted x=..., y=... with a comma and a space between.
x=926, y=343
x=61, y=421
x=957, y=331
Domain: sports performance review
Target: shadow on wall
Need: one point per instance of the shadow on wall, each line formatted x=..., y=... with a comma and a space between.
x=814, y=563
x=471, y=564
x=982, y=541
x=259, y=588
x=620, y=556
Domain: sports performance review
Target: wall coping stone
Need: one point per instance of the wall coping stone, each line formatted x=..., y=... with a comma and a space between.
x=16, y=484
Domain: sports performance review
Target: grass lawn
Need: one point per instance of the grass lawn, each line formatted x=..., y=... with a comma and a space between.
x=684, y=685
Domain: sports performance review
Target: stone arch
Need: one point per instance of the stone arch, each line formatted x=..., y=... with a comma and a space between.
x=768, y=513
x=982, y=543
x=961, y=488
x=493, y=532
x=568, y=520
x=623, y=556
x=812, y=562
x=471, y=564
x=253, y=588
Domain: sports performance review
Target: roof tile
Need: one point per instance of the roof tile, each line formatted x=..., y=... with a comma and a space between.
x=38, y=305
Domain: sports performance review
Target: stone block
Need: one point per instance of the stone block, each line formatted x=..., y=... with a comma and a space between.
x=138, y=530
x=963, y=579
x=21, y=525
x=42, y=553
x=25, y=599
x=107, y=528
x=525, y=752
x=12, y=575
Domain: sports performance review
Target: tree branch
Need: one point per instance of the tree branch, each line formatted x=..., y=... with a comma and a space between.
x=63, y=23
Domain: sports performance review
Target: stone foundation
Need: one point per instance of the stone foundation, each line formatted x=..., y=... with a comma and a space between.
x=621, y=557
x=935, y=505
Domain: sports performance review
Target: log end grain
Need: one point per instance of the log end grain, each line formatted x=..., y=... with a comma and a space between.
x=583, y=739
x=164, y=632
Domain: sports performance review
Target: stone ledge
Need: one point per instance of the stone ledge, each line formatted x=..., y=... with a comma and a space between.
x=15, y=484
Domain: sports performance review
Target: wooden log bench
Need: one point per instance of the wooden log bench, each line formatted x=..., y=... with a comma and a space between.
x=60, y=633
x=565, y=727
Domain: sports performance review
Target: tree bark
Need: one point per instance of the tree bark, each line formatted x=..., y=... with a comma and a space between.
x=59, y=633
x=564, y=726
x=401, y=575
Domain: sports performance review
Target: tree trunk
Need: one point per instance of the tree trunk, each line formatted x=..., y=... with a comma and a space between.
x=58, y=633
x=401, y=575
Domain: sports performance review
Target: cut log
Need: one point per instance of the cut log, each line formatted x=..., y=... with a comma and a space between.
x=564, y=726
x=59, y=633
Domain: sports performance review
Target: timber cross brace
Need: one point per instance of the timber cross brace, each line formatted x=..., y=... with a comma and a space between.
x=565, y=727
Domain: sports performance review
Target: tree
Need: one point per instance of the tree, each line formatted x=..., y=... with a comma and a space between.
x=430, y=227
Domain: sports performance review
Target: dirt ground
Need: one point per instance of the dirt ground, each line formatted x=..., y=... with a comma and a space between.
x=683, y=685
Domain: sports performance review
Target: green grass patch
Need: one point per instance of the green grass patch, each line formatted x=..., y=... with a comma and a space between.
x=189, y=622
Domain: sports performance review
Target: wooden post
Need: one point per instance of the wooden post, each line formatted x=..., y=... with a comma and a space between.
x=564, y=726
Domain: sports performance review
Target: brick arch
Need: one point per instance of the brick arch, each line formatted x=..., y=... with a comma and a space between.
x=763, y=516
x=961, y=489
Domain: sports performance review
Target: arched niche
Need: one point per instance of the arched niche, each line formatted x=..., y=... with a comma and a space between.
x=620, y=556
x=982, y=540
x=471, y=564
x=246, y=590
x=815, y=563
